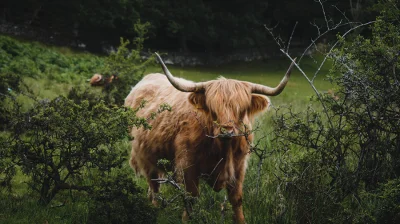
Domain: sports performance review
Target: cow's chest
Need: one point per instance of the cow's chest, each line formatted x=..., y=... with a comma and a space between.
x=217, y=170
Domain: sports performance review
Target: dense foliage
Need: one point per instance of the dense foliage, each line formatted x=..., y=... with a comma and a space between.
x=348, y=169
x=117, y=200
x=34, y=60
x=127, y=64
x=195, y=25
x=9, y=82
x=58, y=142
x=73, y=142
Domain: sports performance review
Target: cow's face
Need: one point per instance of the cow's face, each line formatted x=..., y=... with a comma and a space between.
x=229, y=104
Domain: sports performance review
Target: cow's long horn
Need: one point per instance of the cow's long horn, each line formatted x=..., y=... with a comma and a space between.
x=182, y=86
x=269, y=91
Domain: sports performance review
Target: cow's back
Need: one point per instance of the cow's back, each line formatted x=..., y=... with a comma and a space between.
x=149, y=146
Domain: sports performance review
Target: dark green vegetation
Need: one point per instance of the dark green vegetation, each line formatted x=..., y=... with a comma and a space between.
x=66, y=147
x=190, y=26
x=348, y=167
x=332, y=158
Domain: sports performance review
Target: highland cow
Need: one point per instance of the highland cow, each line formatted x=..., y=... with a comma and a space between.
x=202, y=136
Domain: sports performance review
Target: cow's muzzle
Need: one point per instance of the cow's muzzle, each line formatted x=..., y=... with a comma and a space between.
x=226, y=133
x=227, y=129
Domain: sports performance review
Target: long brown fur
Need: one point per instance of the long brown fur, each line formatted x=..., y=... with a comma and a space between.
x=181, y=136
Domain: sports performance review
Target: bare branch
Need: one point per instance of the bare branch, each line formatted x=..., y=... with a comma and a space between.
x=312, y=86
x=317, y=27
x=323, y=11
x=320, y=35
x=336, y=43
x=169, y=181
x=277, y=39
x=215, y=167
x=290, y=39
x=343, y=14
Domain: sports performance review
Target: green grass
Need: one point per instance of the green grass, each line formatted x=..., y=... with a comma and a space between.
x=269, y=73
x=24, y=209
x=297, y=91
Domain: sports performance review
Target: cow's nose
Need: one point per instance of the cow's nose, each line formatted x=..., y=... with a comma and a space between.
x=227, y=129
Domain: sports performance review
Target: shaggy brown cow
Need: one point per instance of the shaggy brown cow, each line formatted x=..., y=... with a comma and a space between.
x=100, y=80
x=201, y=136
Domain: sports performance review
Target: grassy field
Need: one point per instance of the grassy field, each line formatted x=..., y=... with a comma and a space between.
x=268, y=73
x=297, y=91
x=71, y=207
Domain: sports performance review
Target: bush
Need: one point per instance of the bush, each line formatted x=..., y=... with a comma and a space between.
x=58, y=142
x=128, y=65
x=72, y=143
x=9, y=84
x=352, y=148
x=117, y=200
x=387, y=209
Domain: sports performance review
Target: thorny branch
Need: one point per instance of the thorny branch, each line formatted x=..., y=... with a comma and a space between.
x=329, y=28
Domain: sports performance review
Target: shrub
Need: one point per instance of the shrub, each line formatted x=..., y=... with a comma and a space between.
x=387, y=209
x=129, y=65
x=58, y=142
x=352, y=147
x=117, y=200
x=9, y=84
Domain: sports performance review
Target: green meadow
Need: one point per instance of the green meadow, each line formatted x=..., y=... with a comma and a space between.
x=267, y=73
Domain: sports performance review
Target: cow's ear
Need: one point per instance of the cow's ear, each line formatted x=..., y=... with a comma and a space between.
x=259, y=104
x=198, y=100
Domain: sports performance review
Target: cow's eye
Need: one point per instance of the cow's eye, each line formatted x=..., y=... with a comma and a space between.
x=241, y=115
x=214, y=115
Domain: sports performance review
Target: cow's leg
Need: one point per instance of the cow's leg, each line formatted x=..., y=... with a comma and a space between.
x=235, y=198
x=235, y=194
x=191, y=181
x=154, y=187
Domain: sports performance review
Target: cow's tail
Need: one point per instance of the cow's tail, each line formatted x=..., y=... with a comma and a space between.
x=135, y=166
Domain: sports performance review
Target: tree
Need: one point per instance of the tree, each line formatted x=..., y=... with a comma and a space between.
x=188, y=26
